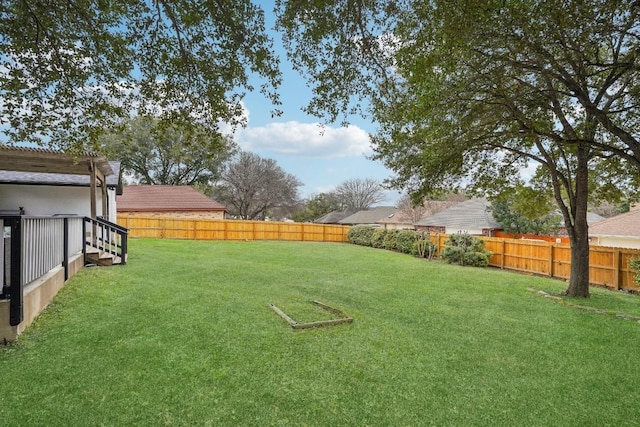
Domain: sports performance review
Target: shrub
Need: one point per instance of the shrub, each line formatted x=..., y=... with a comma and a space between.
x=405, y=241
x=377, y=238
x=634, y=265
x=477, y=259
x=390, y=240
x=360, y=235
x=464, y=249
x=423, y=247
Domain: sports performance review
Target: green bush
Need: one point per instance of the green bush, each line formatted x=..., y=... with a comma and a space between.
x=390, y=240
x=464, y=249
x=477, y=259
x=377, y=238
x=405, y=241
x=360, y=235
x=634, y=265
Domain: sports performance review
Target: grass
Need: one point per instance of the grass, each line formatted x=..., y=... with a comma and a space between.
x=183, y=335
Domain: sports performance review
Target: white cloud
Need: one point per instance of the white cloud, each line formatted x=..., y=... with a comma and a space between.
x=305, y=139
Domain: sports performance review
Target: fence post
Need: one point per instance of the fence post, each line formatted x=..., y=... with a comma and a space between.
x=616, y=269
x=16, y=289
x=502, y=255
x=551, y=246
x=65, y=248
x=123, y=247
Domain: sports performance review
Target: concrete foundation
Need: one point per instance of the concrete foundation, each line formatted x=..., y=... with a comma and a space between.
x=37, y=295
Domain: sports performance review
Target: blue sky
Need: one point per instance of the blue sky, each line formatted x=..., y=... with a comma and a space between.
x=321, y=157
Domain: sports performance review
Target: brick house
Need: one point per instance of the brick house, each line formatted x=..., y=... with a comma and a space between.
x=168, y=200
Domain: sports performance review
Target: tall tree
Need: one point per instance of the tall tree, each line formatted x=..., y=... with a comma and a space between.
x=316, y=207
x=524, y=209
x=359, y=193
x=69, y=69
x=169, y=154
x=250, y=186
x=475, y=91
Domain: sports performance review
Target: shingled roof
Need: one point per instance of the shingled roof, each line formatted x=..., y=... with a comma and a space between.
x=472, y=213
x=165, y=198
x=431, y=207
x=369, y=216
x=332, y=217
x=626, y=225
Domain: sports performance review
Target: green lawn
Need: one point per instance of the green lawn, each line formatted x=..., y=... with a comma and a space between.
x=183, y=335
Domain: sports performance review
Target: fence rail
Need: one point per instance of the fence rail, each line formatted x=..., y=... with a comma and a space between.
x=219, y=229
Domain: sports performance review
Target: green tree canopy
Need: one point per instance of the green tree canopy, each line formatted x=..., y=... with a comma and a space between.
x=153, y=153
x=476, y=92
x=316, y=206
x=526, y=210
x=69, y=69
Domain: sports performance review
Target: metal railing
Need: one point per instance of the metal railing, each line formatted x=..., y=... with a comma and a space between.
x=107, y=237
x=48, y=242
x=33, y=246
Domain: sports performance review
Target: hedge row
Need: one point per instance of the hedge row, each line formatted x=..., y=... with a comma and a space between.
x=405, y=241
x=460, y=248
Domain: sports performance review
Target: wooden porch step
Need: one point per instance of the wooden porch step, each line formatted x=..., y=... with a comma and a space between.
x=98, y=257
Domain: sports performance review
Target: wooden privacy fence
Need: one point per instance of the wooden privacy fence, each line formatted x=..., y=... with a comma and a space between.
x=608, y=266
x=222, y=229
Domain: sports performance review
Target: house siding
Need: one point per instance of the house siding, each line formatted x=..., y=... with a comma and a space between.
x=44, y=200
x=632, y=242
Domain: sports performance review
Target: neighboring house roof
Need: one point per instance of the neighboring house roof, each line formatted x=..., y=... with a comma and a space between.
x=398, y=217
x=332, y=217
x=593, y=218
x=369, y=216
x=57, y=179
x=164, y=198
x=471, y=213
x=431, y=207
x=626, y=224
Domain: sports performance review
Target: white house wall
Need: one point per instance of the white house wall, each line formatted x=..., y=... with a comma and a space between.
x=617, y=241
x=45, y=200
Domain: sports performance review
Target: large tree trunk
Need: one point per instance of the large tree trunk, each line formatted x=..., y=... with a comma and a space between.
x=579, y=279
x=578, y=229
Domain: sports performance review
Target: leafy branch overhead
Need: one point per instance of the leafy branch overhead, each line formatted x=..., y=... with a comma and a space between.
x=70, y=69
